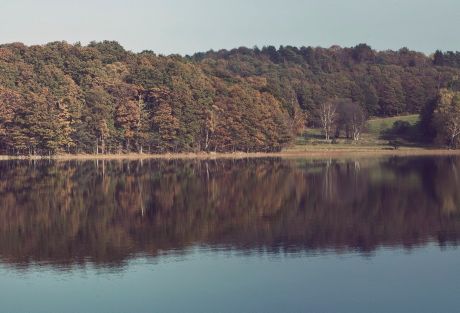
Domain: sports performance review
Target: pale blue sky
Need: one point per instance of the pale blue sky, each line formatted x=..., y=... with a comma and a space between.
x=186, y=26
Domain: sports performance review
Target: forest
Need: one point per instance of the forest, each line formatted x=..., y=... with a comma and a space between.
x=101, y=98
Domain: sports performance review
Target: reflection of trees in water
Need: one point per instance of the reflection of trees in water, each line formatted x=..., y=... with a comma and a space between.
x=107, y=211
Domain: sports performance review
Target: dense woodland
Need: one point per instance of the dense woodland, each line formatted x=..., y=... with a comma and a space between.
x=100, y=98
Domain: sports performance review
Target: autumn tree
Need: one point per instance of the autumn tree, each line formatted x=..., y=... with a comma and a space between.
x=8, y=101
x=391, y=96
x=447, y=117
x=165, y=123
x=98, y=117
x=143, y=133
x=127, y=113
x=49, y=124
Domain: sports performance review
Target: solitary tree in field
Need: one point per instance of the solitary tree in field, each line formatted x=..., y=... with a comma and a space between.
x=327, y=113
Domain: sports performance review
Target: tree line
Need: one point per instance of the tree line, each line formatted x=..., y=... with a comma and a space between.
x=101, y=98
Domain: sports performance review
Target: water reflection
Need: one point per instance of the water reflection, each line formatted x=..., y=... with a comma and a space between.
x=71, y=213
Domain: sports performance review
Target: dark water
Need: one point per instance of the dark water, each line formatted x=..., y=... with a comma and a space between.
x=267, y=235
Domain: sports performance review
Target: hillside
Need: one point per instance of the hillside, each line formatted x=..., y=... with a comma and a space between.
x=101, y=98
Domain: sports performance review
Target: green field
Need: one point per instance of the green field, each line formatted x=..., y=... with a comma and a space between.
x=375, y=136
x=377, y=126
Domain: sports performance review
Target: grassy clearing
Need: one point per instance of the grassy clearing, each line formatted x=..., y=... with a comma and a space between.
x=377, y=126
x=374, y=137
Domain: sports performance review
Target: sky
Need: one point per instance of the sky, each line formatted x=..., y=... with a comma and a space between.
x=189, y=26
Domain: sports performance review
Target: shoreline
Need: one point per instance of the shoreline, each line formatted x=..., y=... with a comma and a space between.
x=306, y=153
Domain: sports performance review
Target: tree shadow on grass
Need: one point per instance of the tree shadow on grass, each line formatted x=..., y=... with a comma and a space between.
x=403, y=134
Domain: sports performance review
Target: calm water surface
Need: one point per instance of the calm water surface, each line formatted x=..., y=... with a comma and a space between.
x=265, y=235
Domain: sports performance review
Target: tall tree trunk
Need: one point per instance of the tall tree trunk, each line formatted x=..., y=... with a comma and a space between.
x=206, y=141
x=103, y=145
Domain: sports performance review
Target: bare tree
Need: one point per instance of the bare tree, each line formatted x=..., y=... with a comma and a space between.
x=351, y=118
x=327, y=113
x=357, y=121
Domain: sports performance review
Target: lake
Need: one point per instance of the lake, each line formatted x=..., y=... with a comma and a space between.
x=249, y=235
